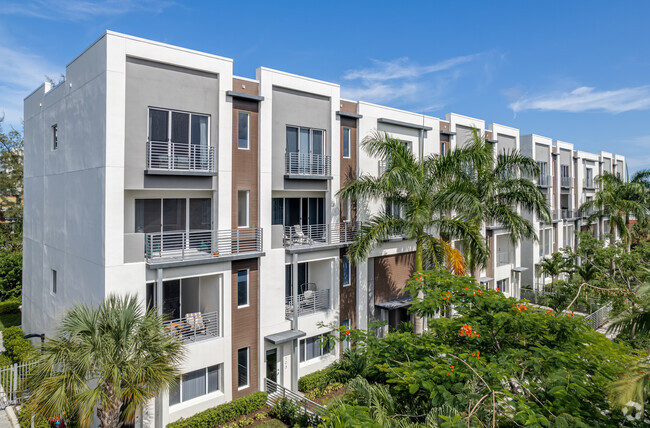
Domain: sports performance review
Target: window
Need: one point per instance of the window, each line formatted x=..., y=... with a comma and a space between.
x=346, y=340
x=178, y=127
x=346, y=270
x=53, y=282
x=502, y=285
x=242, y=367
x=346, y=142
x=55, y=136
x=393, y=208
x=443, y=147
x=196, y=384
x=277, y=211
x=242, y=288
x=346, y=210
x=314, y=347
x=243, y=133
x=564, y=170
x=243, y=205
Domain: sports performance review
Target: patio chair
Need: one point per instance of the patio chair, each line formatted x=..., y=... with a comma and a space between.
x=299, y=236
x=195, y=322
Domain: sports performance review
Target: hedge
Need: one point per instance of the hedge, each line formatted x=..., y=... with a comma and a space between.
x=224, y=413
x=16, y=348
x=315, y=381
x=10, y=306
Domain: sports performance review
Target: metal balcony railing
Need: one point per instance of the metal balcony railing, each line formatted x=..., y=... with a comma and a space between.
x=168, y=156
x=544, y=180
x=320, y=234
x=195, y=327
x=307, y=164
x=381, y=167
x=206, y=244
x=588, y=183
x=566, y=182
x=504, y=258
x=308, y=302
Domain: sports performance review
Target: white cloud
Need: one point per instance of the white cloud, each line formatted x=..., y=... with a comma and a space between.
x=405, y=82
x=78, y=10
x=587, y=99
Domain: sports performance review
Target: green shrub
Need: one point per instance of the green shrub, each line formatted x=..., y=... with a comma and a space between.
x=10, y=305
x=25, y=418
x=245, y=421
x=261, y=416
x=224, y=413
x=317, y=380
x=5, y=360
x=11, y=273
x=18, y=349
x=293, y=415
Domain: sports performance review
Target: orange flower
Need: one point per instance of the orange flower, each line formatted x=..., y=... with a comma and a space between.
x=473, y=354
x=347, y=331
x=498, y=289
x=447, y=374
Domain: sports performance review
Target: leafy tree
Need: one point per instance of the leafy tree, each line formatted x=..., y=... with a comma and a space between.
x=553, y=266
x=11, y=272
x=112, y=359
x=11, y=188
x=499, y=362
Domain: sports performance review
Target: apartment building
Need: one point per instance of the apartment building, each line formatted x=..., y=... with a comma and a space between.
x=153, y=170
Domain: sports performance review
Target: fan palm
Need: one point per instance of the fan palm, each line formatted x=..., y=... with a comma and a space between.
x=618, y=201
x=489, y=189
x=553, y=266
x=112, y=358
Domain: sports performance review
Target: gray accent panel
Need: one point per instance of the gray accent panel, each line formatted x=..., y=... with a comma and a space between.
x=307, y=177
x=307, y=185
x=464, y=134
x=542, y=152
x=245, y=96
x=607, y=165
x=350, y=115
x=447, y=133
x=506, y=143
x=404, y=124
x=177, y=182
x=565, y=157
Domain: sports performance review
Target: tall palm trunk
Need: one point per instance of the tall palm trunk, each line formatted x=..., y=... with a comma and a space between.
x=418, y=322
x=108, y=412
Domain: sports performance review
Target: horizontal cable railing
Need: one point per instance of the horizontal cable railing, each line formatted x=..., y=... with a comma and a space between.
x=194, y=327
x=308, y=302
x=181, y=246
x=566, y=181
x=168, y=156
x=544, y=180
x=381, y=167
x=320, y=234
x=277, y=392
x=308, y=164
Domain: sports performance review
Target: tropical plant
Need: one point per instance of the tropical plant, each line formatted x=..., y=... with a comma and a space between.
x=489, y=189
x=110, y=359
x=618, y=200
x=553, y=266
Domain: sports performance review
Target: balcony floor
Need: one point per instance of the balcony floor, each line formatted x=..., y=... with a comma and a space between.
x=171, y=261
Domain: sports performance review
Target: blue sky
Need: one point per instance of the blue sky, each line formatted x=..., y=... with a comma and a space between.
x=577, y=71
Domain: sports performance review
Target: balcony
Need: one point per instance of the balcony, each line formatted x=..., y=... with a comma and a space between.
x=194, y=327
x=320, y=235
x=588, y=183
x=309, y=302
x=544, y=181
x=381, y=167
x=566, y=182
x=201, y=246
x=504, y=258
x=568, y=213
x=164, y=157
x=308, y=166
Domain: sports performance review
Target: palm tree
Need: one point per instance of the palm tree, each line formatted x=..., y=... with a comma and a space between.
x=413, y=184
x=618, y=201
x=553, y=266
x=489, y=190
x=112, y=358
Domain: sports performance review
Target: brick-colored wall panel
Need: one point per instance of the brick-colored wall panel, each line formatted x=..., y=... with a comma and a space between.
x=391, y=274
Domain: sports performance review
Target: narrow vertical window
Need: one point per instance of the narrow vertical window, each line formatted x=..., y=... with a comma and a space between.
x=55, y=136
x=277, y=211
x=346, y=210
x=243, y=208
x=346, y=270
x=53, y=282
x=443, y=148
x=242, y=288
x=346, y=339
x=243, y=133
x=242, y=367
x=346, y=142
x=214, y=383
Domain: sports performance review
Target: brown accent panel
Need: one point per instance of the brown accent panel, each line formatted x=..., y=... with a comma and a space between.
x=245, y=325
x=391, y=275
x=245, y=162
x=348, y=294
x=489, y=271
x=245, y=86
x=349, y=165
x=444, y=126
x=349, y=107
x=444, y=138
x=488, y=135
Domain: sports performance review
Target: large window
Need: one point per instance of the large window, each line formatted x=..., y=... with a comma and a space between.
x=242, y=287
x=195, y=384
x=277, y=211
x=178, y=127
x=305, y=140
x=298, y=211
x=243, y=208
x=502, y=285
x=170, y=215
x=242, y=367
x=243, y=130
x=564, y=171
x=346, y=270
x=314, y=347
x=346, y=142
